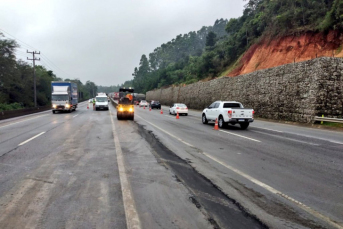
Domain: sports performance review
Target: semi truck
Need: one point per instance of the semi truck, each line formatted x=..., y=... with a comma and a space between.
x=64, y=96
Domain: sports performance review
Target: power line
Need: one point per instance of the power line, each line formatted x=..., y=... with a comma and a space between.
x=31, y=47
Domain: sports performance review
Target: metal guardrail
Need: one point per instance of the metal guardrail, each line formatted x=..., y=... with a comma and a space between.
x=323, y=119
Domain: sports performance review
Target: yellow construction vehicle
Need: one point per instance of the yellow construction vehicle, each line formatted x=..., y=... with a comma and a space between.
x=125, y=108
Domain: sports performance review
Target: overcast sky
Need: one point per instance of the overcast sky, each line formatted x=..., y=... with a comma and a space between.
x=103, y=41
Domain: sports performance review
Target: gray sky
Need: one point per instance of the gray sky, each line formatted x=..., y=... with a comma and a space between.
x=103, y=41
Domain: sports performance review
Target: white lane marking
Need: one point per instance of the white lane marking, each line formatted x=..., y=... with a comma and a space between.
x=186, y=143
x=240, y=136
x=75, y=116
x=24, y=120
x=261, y=184
x=336, y=142
x=290, y=139
x=268, y=129
x=132, y=219
x=276, y=192
x=24, y=142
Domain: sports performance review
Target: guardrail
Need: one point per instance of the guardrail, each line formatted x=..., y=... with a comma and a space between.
x=323, y=119
x=20, y=112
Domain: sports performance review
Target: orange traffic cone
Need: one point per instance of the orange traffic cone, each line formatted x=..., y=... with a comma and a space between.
x=149, y=108
x=144, y=108
x=87, y=106
x=216, y=125
x=177, y=115
x=161, y=111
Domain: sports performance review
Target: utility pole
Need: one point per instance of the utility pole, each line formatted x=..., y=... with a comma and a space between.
x=34, y=73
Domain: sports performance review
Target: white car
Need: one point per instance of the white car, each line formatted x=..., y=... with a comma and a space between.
x=178, y=107
x=143, y=103
x=101, y=102
x=228, y=112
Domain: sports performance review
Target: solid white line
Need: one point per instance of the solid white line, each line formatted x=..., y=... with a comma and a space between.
x=132, y=218
x=240, y=136
x=31, y=139
x=75, y=116
x=186, y=143
x=290, y=139
x=24, y=120
x=277, y=192
x=268, y=129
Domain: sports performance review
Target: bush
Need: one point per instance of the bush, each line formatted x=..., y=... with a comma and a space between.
x=8, y=107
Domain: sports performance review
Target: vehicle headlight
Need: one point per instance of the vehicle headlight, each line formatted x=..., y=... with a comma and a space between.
x=130, y=110
x=54, y=105
x=121, y=109
x=67, y=105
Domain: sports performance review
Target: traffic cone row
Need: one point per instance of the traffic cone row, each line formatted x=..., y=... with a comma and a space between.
x=216, y=125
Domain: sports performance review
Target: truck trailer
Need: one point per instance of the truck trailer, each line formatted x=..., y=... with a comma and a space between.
x=64, y=96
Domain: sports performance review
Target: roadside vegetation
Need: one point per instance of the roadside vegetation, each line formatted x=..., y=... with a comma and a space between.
x=209, y=52
x=16, y=80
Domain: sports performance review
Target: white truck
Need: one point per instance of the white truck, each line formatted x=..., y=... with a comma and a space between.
x=228, y=112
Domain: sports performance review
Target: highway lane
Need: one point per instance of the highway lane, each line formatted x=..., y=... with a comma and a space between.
x=302, y=164
x=69, y=176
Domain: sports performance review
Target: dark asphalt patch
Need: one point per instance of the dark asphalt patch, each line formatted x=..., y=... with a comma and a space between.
x=222, y=211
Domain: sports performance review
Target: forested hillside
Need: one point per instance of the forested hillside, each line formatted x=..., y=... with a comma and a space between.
x=16, y=80
x=213, y=51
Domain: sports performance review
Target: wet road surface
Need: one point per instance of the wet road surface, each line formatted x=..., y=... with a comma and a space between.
x=86, y=169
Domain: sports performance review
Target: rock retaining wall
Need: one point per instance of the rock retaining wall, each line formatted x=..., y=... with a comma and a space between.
x=293, y=92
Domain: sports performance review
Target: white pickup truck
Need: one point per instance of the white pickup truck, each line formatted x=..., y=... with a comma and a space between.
x=228, y=112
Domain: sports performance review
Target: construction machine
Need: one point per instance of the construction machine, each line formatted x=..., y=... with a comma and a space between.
x=125, y=108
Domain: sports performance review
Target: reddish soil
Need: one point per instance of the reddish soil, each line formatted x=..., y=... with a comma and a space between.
x=272, y=53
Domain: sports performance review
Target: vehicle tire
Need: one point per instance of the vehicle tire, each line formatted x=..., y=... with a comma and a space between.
x=170, y=112
x=53, y=112
x=118, y=117
x=186, y=114
x=204, y=119
x=132, y=117
x=221, y=123
x=244, y=125
x=69, y=111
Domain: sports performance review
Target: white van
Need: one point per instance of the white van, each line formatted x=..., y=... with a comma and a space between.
x=101, y=102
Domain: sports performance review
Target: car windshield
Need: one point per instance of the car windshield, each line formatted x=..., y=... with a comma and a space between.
x=101, y=99
x=143, y=101
x=181, y=105
x=231, y=105
x=59, y=97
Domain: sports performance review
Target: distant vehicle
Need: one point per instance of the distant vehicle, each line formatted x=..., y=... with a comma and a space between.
x=228, y=112
x=90, y=100
x=64, y=96
x=101, y=102
x=143, y=103
x=115, y=95
x=178, y=108
x=125, y=108
x=155, y=104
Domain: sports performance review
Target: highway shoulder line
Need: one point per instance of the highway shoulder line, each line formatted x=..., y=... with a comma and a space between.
x=131, y=215
x=238, y=135
x=259, y=183
x=30, y=139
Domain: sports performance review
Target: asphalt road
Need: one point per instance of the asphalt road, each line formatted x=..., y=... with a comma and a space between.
x=86, y=169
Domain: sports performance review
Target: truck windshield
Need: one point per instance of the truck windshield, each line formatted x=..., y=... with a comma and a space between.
x=101, y=99
x=59, y=97
x=232, y=105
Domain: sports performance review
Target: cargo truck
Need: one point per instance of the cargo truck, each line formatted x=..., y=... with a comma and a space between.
x=64, y=96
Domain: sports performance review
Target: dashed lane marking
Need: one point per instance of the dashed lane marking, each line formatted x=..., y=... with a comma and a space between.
x=132, y=218
x=268, y=129
x=24, y=120
x=290, y=139
x=259, y=183
x=238, y=135
x=31, y=139
x=75, y=116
